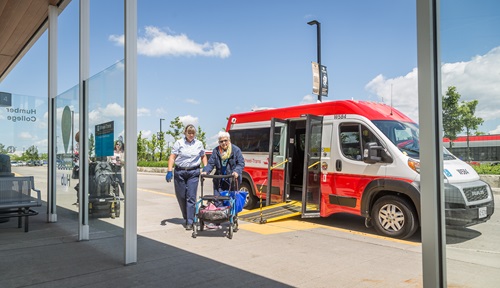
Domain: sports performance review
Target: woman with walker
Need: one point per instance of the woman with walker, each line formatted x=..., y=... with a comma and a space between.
x=227, y=159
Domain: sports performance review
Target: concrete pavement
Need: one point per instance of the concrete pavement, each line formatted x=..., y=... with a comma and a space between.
x=282, y=254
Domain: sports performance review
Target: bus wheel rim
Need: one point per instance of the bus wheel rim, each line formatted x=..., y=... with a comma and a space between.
x=391, y=217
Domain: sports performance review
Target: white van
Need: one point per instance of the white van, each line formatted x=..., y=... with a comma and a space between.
x=353, y=157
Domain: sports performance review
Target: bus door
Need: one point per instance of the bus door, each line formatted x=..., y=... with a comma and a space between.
x=311, y=189
x=277, y=173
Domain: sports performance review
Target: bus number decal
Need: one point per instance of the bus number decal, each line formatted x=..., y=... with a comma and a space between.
x=339, y=116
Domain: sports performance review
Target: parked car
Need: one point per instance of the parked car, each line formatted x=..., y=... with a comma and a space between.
x=34, y=163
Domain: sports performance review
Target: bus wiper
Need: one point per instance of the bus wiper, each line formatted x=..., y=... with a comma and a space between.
x=410, y=150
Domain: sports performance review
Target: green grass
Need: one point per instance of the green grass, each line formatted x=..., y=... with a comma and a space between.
x=487, y=169
x=152, y=164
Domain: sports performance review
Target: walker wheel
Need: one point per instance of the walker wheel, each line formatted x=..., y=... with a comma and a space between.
x=236, y=226
x=230, y=234
x=195, y=229
x=202, y=225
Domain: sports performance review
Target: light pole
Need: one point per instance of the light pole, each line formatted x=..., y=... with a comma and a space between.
x=160, y=138
x=318, y=37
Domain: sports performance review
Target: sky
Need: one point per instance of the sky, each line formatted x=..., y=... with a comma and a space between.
x=204, y=60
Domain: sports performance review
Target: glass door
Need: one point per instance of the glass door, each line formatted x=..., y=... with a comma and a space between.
x=311, y=189
x=277, y=186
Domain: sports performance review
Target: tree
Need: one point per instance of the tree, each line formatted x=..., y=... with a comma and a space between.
x=151, y=146
x=176, y=132
x=176, y=127
x=200, y=135
x=2, y=149
x=452, y=125
x=161, y=143
x=31, y=153
x=147, y=149
x=141, y=147
x=469, y=121
x=91, y=145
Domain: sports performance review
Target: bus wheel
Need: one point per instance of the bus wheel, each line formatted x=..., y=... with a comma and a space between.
x=394, y=217
x=251, y=200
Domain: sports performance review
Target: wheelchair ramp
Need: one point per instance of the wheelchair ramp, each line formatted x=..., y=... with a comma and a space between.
x=272, y=213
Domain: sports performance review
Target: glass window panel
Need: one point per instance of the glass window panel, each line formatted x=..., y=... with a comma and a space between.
x=470, y=53
x=23, y=139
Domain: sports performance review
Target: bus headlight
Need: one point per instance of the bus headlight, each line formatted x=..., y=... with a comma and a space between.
x=414, y=165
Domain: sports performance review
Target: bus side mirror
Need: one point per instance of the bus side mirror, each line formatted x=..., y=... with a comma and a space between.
x=373, y=153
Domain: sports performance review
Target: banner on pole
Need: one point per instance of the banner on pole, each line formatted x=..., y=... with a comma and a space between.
x=320, y=77
x=315, y=70
x=324, y=81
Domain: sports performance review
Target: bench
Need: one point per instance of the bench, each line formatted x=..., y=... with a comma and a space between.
x=16, y=199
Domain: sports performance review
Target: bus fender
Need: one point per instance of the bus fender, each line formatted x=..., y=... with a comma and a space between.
x=380, y=187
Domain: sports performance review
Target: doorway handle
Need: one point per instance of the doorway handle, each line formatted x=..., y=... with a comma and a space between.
x=338, y=165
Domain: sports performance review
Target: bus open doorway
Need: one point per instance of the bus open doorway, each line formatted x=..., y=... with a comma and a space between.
x=293, y=183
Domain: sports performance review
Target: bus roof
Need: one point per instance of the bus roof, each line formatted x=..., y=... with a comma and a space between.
x=370, y=110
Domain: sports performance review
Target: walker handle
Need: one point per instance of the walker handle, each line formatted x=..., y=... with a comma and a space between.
x=203, y=176
x=216, y=176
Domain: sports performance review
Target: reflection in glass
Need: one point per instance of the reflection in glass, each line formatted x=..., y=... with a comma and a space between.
x=23, y=145
x=470, y=53
x=106, y=145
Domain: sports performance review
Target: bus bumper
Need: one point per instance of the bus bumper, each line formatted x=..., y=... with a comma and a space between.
x=468, y=204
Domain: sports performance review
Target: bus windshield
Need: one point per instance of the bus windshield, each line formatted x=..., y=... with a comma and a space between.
x=405, y=136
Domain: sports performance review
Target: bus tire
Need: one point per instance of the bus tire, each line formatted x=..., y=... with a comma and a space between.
x=394, y=217
x=251, y=200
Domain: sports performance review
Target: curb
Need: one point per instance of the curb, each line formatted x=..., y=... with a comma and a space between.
x=152, y=169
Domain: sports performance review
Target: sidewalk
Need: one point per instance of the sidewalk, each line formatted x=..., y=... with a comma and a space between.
x=290, y=253
x=49, y=255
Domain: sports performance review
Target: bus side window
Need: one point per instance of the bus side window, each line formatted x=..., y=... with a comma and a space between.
x=349, y=140
x=368, y=136
x=251, y=140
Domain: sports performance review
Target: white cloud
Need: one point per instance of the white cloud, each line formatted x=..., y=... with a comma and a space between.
x=474, y=79
x=157, y=43
x=106, y=114
x=143, y=112
x=114, y=110
x=188, y=119
x=43, y=143
x=259, y=108
x=402, y=90
x=309, y=99
x=146, y=134
x=495, y=131
x=25, y=135
x=192, y=101
x=160, y=112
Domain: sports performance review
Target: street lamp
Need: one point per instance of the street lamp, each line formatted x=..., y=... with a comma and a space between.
x=161, y=137
x=318, y=37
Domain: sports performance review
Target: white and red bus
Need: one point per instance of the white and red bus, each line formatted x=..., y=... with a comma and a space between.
x=353, y=157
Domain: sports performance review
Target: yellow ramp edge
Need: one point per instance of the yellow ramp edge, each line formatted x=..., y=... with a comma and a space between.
x=272, y=213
